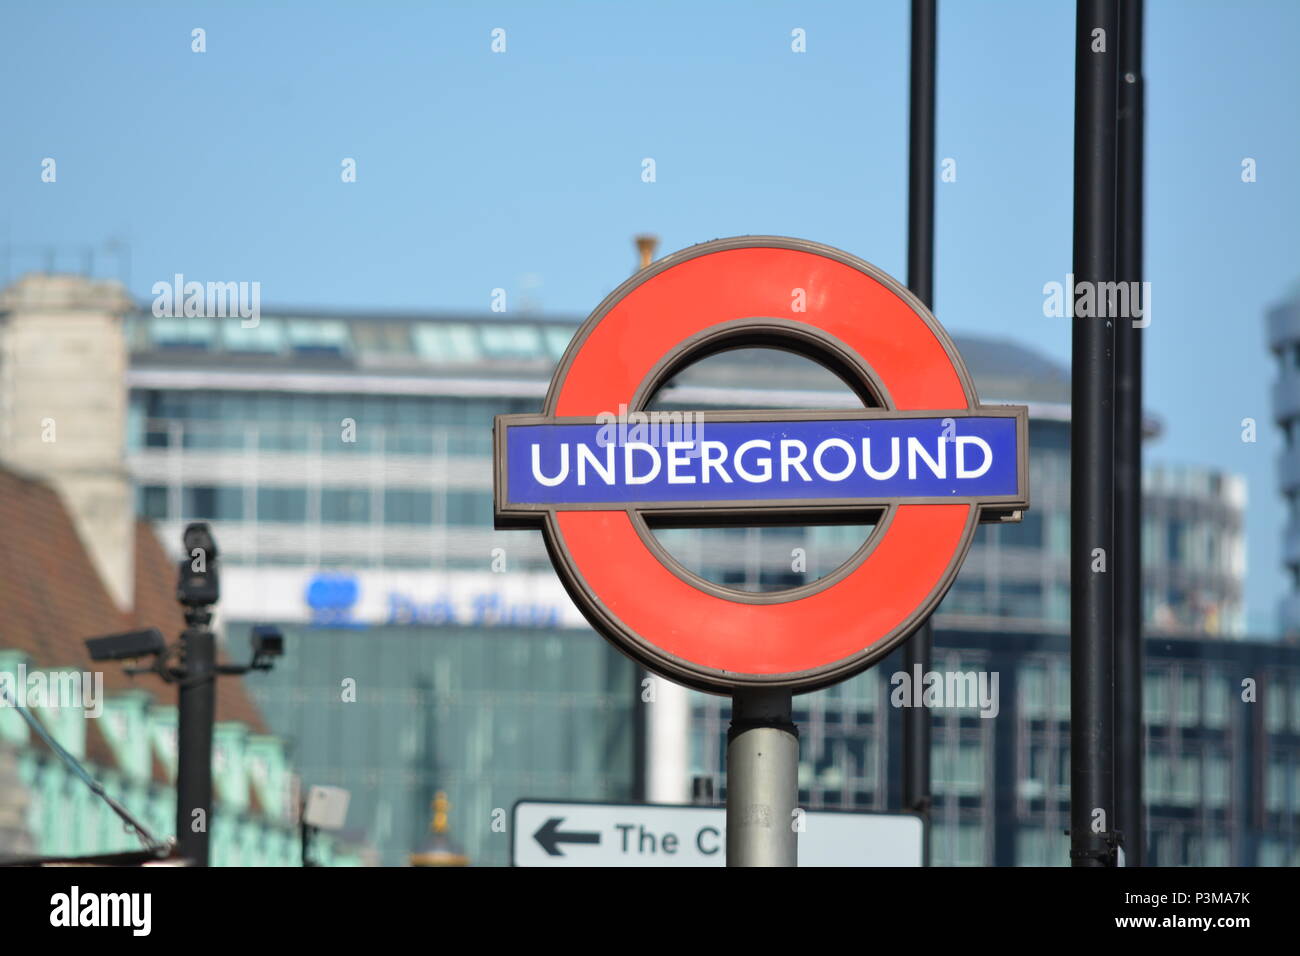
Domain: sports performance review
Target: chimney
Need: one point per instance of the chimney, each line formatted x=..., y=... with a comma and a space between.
x=63, y=403
x=646, y=244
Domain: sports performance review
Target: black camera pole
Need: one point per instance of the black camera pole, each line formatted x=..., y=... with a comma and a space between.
x=197, y=589
x=192, y=666
x=196, y=703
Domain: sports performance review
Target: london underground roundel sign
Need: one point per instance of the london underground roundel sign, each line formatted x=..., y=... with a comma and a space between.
x=922, y=457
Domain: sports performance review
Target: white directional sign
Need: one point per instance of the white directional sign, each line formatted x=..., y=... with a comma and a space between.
x=611, y=834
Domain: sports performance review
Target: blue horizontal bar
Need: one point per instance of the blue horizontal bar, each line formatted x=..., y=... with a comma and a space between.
x=882, y=458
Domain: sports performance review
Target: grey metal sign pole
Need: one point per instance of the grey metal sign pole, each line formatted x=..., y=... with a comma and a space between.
x=762, y=780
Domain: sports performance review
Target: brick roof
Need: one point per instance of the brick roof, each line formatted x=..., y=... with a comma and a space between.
x=52, y=599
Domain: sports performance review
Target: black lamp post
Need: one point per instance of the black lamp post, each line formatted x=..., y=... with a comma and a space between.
x=192, y=665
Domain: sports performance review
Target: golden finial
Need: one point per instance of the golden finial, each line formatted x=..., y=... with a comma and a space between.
x=440, y=807
x=439, y=850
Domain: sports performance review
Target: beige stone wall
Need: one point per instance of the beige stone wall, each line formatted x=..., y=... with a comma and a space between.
x=63, y=408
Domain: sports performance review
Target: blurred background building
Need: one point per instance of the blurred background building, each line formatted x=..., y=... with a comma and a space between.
x=344, y=461
x=1284, y=342
x=76, y=563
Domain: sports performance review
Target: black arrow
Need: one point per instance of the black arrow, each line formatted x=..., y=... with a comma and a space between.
x=549, y=836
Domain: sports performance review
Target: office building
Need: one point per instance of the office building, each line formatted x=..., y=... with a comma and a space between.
x=1283, y=324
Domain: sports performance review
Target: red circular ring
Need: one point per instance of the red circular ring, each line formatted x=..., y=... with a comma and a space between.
x=704, y=639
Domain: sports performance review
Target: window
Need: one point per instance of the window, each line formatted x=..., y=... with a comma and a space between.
x=282, y=435
x=282, y=504
x=157, y=434
x=469, y=507
x=349, y=562
x=214, y=502
x=1275, y=708
x=448, y=411
x=408, y=507
x=409, y=440
x=511, y=341
x=411, y=561
x=1218, y=697
x=345, y=505
x=280, y=558
x=1189, y=699
x=960, y=769
x=1037, y=774
x=213, y=435
x=776, y=580
x=1044, y=435
x=827, y=769
x=1215, y=851
x=1031, y=847
x=380, y=338
x=1275, y=785
x=151, y=502
x=970, y=845
x=967, y=596
x=1060, y=545
x=328, y=336
x=1058, y=604
x=267, y=336
x=1061, y=690
x=446, y=342
x=1175, y=535
x=1155, y=697
x=557, y=340
x=1187, y=780
x=192, y=332
x=1026, y=533
x=1021, y=599
x=1032, y=679
x=1216, y=780
x=860, y=692
x=957, y=844
x=1155, y=777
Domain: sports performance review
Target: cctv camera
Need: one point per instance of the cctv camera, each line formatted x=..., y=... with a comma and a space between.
x=198, y=584
x=116, y=647
x=267, y=641
x=198, y=537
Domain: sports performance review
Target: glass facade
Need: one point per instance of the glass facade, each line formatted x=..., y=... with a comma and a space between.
x=425, y=463
x=506, y=714
x=1222, y=752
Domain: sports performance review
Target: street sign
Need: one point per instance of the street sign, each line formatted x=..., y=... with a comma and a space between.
x=611, y=834
x=327, y=807
x=923, y=459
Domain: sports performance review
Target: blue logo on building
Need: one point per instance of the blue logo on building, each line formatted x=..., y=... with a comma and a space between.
x=332, y=597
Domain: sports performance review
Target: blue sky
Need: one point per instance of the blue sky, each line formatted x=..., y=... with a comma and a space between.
x=522, y=170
